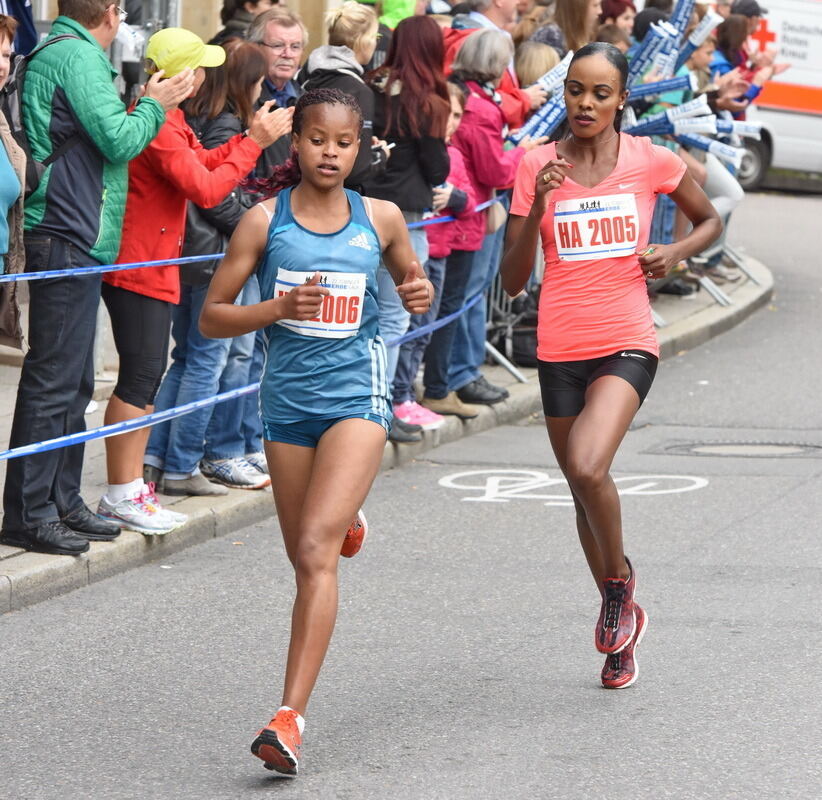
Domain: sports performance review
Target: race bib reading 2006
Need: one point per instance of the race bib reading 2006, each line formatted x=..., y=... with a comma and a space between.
x=596, y=227
x=341, y=312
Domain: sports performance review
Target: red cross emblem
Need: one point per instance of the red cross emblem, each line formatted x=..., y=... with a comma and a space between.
x=763, y=35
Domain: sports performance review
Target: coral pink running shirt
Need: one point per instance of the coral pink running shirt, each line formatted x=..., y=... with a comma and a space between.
x=594, y=301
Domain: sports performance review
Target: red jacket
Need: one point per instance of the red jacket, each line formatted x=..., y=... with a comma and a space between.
x=174, y=168
x=479, y=139
x=448, y=236
x=516, y=104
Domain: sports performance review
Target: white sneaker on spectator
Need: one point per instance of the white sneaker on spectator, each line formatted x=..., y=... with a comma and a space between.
x=149, y=497
x=236, y=473
x=721, y=273
x=257, y=460
x=135, y=515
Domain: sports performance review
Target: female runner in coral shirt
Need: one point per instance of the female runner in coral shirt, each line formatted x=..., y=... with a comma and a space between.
x=591, y=197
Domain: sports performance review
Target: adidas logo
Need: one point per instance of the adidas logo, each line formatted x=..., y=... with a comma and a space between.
x=360, y=240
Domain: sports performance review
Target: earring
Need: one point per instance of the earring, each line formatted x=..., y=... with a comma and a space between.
x=621, y=107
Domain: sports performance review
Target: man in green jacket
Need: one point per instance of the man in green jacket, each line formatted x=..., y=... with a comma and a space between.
x=72, y=219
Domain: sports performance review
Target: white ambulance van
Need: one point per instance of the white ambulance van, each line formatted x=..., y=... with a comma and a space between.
x=790, y=105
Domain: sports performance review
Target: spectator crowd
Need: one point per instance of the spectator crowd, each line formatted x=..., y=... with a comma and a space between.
x=100, y=179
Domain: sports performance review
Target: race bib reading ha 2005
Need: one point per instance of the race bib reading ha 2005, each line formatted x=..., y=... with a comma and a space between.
x=341, y=312
x=592, y=228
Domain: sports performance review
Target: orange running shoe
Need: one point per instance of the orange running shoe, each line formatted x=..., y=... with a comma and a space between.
x=354, y=536
x=278, y=743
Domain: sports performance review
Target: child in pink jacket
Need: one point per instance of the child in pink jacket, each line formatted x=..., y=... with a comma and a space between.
x=455, y=198
x=479, y=141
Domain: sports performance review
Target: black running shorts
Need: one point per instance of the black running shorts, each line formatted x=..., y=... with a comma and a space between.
x=563, y=383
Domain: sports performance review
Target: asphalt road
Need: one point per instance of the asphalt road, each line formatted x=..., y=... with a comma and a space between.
x=463, y=664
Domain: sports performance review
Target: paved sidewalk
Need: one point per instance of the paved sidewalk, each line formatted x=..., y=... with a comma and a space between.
x=27, y=578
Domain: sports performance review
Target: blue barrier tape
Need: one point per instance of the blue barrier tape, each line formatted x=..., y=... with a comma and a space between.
x=432, y=221
x=123, y=427
x=163, y=416
x=437, y=220
x=440, y=323
x=93, y=270
x=78, y=271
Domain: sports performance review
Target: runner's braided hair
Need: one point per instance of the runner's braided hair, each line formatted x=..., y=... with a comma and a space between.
x=288, y=173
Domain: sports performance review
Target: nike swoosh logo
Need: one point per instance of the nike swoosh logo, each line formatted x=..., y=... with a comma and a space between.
x=625, y=185
x=633, y=355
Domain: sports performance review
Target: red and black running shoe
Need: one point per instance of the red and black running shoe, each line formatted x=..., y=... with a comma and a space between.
x=617, y=620
x=278, y=743
x=622, y=669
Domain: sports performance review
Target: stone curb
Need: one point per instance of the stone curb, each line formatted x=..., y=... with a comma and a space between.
x=715, y=319
x=28, y=578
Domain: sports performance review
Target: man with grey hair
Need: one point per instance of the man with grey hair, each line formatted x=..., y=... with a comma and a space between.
x=283, y=37
x=497, y=15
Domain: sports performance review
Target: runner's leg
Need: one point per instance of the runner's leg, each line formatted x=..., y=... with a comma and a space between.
x=558, y=430
x=314, y=525
x=290, y=466
x=610, y=405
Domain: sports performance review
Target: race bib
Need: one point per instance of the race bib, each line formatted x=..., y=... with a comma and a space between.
x=596, y=227
x=341, y=312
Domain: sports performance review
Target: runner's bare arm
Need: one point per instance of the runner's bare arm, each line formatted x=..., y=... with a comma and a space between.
x=522, y=236
x=413, y=286
x=220, y=318
x=659, y=259
x=521, y=239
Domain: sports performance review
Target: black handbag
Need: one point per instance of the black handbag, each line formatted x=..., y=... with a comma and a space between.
x=521, y=346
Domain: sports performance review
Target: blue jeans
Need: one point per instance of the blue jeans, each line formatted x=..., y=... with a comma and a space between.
x=393, y=316
x=468, y=350
x=438, y=352
x=664, y=217
x=200, y=368
x=251, y=429
x=235, y=427
x=411, y=352
x=663, y=220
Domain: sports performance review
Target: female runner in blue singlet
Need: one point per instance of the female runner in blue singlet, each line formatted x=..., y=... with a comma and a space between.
x=324, y=398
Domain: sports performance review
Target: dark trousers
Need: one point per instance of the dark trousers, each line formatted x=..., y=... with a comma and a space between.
x=56, y=384
x=438, y=352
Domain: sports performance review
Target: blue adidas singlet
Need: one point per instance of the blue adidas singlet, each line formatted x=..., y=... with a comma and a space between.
x=335, y=365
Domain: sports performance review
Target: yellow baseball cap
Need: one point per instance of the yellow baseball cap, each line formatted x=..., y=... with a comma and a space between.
x=175, y=49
